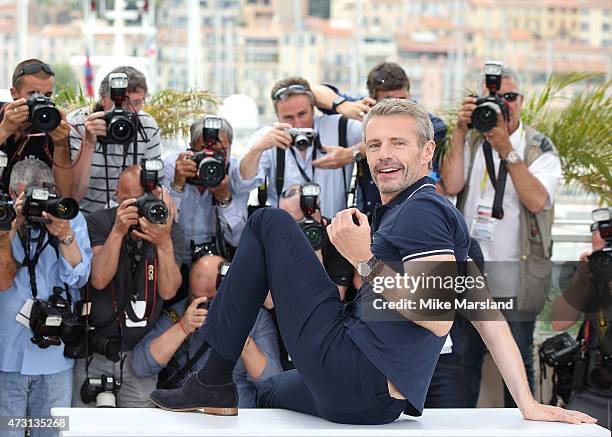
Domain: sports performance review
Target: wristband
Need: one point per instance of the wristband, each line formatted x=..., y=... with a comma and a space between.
x=176, y=187
x=183, y=327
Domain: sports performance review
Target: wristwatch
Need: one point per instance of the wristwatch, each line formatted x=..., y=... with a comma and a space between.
x=369, y=268
x=338, y=102
x=67, y=241
x=225, y=202
x=512, y=157
x=357, y=155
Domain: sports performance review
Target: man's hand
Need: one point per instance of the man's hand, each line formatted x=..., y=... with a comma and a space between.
x=221, y=191
x=16, y=115
x=335, y=157
x=58, y=228
x=275, y=137
x=499, y=137
x=61, y=133
x=194, y=317
x=95, y=127
x=356, y=110
x=18, y=206
x=464, y=117
x=127, y=215
x=548, y=413
x=351, y=240
x=184, y=168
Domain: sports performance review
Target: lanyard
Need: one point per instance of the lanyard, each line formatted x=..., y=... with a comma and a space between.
x=302, y=171
x=30, y=262
x=499, y=183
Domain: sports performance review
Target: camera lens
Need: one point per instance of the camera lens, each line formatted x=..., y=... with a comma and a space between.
x=45, y=117
x=72, y=333
x=65, y=208
x=302, y=142
x=156, y=212
x=7, y=215
x=314, y=235
x=211, y=172
x=484, y=117
x=121, y=130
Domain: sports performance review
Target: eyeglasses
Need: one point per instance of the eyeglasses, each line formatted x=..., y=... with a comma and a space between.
x=293, y=89
x=396, y=73
x=35, y=68
x=134, y=104
x=290, y=192
x=510, y=97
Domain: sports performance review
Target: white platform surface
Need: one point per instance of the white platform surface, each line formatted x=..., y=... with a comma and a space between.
x=485, y=422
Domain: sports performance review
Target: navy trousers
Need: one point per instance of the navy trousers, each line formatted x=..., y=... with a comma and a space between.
x=332, y=379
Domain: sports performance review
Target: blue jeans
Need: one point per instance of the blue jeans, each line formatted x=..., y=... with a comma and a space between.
x=34, y=395
x=473, y=354
x=333, y=379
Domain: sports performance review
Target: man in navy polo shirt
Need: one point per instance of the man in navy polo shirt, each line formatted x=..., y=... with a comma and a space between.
x=349, y=369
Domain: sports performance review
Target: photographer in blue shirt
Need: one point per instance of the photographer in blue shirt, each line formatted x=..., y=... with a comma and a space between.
x=43, y=262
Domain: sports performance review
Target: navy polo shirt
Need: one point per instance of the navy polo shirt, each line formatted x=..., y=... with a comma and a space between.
x=417, y=223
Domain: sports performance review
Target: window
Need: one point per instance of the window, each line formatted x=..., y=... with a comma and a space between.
x=584, y=26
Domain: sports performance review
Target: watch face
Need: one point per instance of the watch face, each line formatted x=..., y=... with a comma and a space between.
x=364, y=269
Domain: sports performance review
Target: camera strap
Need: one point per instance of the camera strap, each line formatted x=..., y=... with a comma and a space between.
x=219, y=240
x=499, y=183
x=25, y=237
x=342, y=142
x=280, y=173
x=300, y=168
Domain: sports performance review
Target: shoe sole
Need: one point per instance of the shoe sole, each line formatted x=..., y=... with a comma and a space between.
x=215, y=411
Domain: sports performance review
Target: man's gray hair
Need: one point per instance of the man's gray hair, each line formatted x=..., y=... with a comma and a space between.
x=508, y=72
x=195, y=130
x=135, y=80
x=387, y=107
x=30, y=172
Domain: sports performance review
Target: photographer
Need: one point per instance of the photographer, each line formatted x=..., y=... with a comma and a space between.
x=175, y=346
x=122, y=97
x=203, y=181
x=135, y=267
x=385, y=80
x=505, y=175
x=44, y=260
x=31, y=126
x=591, y=381
x=280, y=156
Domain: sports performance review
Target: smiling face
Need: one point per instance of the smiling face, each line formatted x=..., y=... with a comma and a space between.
x=392, y=149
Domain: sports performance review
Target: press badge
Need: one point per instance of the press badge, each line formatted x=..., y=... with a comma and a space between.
x=139, y=307
x=483, y=226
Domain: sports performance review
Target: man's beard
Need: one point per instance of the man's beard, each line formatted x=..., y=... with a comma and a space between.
x=408, y=177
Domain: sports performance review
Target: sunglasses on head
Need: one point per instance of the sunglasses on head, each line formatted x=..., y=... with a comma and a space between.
x=293, y=89
x=35, y=68
x=395, y=72
x=510, y=97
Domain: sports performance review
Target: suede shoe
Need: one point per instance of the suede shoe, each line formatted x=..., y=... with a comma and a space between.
x=193, y=395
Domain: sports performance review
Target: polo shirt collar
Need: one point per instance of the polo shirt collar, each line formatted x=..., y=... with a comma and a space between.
x=399, y=199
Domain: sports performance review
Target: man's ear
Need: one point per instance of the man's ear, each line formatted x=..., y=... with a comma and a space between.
x=14, y=93
x=428, y=150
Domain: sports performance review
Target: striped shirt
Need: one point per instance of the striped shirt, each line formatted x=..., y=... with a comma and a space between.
x=104, y=172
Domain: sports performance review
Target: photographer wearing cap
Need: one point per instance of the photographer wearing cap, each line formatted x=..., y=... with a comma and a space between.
x=283, y=154
x=175, y=346
x=588, y=293
x=116, y=135
x=44, y=261
x=385, y=80
x=204, y=182
x=506, y=175
x=137, y=251
x=31, y=126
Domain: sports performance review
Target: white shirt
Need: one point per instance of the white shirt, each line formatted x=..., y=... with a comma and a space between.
x=334, y=183
x=505, y=244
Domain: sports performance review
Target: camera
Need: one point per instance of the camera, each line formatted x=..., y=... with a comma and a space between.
x=103, y=390
x=560, y=352
x=53, y=322
x=484, y=117
x=44, y=116
x=41, y=199
x=108, y=346
x=600, y=261
x=120, y=124
x=211, y=163
x=309, y=199
x=302, y=137
x=7, y=213
x=149, y=206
